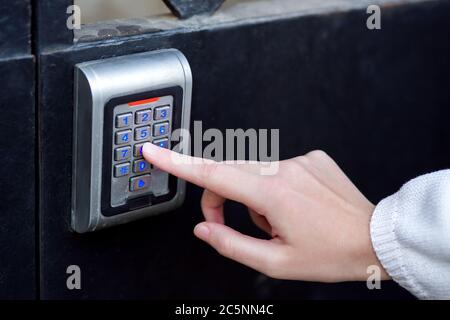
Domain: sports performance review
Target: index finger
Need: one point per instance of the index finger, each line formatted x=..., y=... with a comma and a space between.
x=224, y=179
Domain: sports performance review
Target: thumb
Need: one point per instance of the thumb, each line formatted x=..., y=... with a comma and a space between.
x=262, y=255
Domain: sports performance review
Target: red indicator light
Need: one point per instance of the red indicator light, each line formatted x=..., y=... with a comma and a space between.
x=139, y=102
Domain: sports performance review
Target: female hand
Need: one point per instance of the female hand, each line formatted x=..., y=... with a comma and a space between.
x=317, y=219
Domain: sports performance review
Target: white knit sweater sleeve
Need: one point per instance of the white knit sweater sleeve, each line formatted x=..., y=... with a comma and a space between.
x=410, y=233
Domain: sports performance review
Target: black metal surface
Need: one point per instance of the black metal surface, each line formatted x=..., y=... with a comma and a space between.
x=17, y=172
x=50, y=30
x=15, y=27
x=377, y=101
x=188, y=8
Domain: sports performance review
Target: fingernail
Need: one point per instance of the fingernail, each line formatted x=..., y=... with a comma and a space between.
x=149, y=148
x=202, y=231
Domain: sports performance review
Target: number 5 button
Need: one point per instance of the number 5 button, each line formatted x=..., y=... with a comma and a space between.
x=142, y=133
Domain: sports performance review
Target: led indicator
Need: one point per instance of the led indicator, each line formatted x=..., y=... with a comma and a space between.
x=140, y=102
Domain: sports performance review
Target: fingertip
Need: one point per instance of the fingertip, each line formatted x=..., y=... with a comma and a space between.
x=149, y=149
x=202, y=231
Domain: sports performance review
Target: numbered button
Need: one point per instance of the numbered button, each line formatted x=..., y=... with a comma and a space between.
x=143, y=116
x=123, y=153
x=160, y=129
x=140, y=166
x=163, y=143
x=137, y=152
x=142, y=133
x=122, y=170
x=123, y=137
x=139, y=183
x=162, y=113
x=124, y=120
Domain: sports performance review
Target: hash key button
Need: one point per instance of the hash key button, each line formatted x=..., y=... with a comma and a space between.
x=139, y=182
x=122, y=170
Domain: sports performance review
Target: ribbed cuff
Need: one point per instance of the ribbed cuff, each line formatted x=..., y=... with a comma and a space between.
x=386, y=246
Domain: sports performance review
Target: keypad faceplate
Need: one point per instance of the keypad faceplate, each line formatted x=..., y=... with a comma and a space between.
x=135, y=123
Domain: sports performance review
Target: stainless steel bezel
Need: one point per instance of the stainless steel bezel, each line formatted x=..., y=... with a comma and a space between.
x=96, y=83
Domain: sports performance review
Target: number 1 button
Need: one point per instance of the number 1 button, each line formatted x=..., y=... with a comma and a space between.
x=123, y=120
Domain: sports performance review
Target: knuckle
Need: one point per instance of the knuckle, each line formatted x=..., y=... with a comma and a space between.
x=226, y=247
x=317, y=154
x=272, y=185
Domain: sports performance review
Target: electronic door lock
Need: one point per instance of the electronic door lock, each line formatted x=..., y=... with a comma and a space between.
x=121, y=103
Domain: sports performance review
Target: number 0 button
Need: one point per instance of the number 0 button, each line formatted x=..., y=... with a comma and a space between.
x=123, y=137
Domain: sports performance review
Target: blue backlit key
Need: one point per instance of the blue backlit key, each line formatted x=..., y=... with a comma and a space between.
x=163, y=143
x=160, y=129
x=123, y=137
x=142, y=133
x=139, y=182
x=161, y=113
x=122, y=153
x=140, y=166
x=122, y=170
x=124, y=120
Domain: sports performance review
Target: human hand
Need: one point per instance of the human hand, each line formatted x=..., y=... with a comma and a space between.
x=317, y=219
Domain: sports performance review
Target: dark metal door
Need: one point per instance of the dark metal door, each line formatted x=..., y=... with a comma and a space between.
x=376, y=101
x=17, y=148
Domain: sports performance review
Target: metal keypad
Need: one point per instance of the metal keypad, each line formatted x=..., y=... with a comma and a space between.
x=135, y=123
